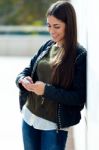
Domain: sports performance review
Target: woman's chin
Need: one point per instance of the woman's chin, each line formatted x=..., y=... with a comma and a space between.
x=54, y=40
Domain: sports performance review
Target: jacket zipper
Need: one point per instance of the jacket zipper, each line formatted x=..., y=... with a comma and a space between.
x=59, y=117
x=42, y=102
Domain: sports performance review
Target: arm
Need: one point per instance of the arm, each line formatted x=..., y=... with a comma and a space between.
x=28, y=70
x=77, y=94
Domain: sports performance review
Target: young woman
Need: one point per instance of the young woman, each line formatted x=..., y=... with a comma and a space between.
x=54, y=83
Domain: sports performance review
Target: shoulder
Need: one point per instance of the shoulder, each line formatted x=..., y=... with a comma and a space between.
x=45, y=46
x=48, y=43
x=81, y=53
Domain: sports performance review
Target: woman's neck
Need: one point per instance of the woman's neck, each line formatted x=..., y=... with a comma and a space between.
x=59, y=44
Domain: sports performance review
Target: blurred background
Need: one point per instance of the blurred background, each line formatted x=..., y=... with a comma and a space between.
x=22, y=26
x=22, y=31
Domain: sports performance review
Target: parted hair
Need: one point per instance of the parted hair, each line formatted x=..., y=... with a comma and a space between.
x=63, y=68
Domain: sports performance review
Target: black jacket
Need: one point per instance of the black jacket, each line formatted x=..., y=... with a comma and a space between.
x=70, y=102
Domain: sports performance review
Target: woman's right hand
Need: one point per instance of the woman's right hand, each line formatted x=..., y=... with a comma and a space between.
x=26, y=81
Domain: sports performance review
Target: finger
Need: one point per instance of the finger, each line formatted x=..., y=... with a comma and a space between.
x=29, y=79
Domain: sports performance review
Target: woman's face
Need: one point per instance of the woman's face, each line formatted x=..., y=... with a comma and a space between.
x=56, y=29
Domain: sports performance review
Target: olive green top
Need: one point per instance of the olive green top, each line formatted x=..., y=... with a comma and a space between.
x=44, y=109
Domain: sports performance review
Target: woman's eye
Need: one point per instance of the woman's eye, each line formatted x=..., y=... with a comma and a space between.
x=56, y=27
x=48, y=26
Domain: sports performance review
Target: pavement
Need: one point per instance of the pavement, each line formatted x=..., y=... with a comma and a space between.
x=10, y=116
x=77, y=139
x=70, y=140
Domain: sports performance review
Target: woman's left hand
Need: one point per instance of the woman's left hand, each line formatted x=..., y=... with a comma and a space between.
x=37, y=87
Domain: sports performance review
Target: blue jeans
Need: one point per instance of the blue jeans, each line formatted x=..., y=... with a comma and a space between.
x=35, y=139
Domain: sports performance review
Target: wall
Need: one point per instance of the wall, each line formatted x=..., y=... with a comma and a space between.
x=87, y=12
x=80, y=8
x=16, y=42
x=79, y=130
x=93, y=75
x=21, y=45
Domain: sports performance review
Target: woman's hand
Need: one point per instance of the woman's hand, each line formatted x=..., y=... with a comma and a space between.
x=26, y=82
x=38, y=87
x=27, y=79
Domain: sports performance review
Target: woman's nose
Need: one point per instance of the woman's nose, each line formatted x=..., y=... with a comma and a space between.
x=52, y=31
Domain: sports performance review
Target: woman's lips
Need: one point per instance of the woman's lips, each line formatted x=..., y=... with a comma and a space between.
x=54, y=37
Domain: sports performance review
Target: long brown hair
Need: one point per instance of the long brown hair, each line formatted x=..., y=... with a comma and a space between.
x=63, y=67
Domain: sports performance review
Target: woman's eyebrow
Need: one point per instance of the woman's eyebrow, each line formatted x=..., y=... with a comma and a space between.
x=57, y=24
